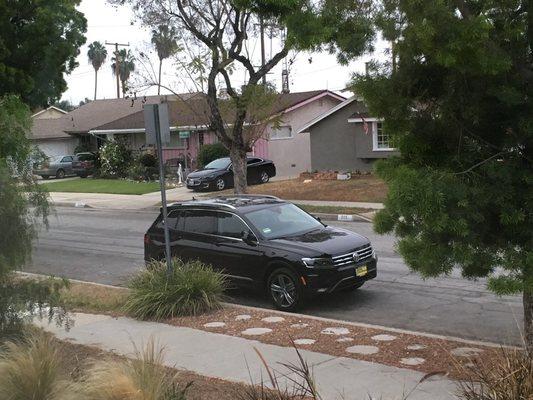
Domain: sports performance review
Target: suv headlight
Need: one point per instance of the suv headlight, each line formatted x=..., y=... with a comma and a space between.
x=318, y=262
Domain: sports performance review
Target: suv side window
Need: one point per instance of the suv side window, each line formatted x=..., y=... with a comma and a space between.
x=173, y=219
x=230, y=225
x=67, y=159
x=200, y=221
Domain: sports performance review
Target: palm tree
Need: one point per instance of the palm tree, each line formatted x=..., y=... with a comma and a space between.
x=97, y=54
x=126, y=65
x=165, y=41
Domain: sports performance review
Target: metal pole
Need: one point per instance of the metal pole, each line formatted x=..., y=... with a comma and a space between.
x=163, y=188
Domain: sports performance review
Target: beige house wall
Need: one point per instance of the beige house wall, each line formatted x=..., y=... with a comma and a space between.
x=292, y=156
x=49, y=113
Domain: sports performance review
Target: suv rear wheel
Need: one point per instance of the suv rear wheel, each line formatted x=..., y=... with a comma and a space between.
x=60, y=174
x=285, y=290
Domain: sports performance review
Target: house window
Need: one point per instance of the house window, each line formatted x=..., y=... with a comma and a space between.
x=282, y=132
x=176, y=142
x=381, y=140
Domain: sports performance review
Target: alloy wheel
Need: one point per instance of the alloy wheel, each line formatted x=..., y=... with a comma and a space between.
x=283, y=290
x=264, y=177
x=220, y=184
x=60, y=174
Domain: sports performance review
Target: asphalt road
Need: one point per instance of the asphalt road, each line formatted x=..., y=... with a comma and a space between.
x=107, y=247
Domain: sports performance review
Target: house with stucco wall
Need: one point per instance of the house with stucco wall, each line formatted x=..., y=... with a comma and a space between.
x=48, y=132
x=347, y=138
x=189, y=125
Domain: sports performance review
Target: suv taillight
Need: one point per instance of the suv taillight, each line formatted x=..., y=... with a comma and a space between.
x=147, y=239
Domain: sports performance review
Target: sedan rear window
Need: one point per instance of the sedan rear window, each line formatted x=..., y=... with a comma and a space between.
x=84, y=157
x=282, y=220
x=221, y=163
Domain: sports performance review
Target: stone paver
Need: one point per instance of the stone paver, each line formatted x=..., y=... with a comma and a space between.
x=256, y=331
x=466, y=351
x=362, y=349
x=412, y=361
x=416, y=347
x=304, y=341
x=384, y=338
x=244, y=317
x=344, y=339
x=298, y=326
x=273, y=320
x=215, y=325
x=336, y=331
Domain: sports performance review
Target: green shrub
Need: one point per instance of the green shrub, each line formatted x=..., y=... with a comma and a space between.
x=30, y=369
x=115, y=159
x=210, y=152
x=192, y=288
x=148, y=160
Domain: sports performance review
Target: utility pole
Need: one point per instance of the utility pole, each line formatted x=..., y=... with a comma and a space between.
x=117, y=63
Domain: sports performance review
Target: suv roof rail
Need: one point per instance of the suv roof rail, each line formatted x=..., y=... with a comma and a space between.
x=244, y=196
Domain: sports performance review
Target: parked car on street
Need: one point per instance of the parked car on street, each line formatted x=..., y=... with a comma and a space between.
x=58, y=166
x=218, y=175
x=267, y=244
x=84, y=164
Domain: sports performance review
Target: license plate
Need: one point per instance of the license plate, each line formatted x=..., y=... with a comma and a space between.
x=361, y=271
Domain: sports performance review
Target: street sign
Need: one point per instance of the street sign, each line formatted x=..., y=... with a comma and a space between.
x=185, y=134
x=150, y=123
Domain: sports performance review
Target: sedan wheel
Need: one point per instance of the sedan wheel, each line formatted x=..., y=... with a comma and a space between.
x=220, y=184
x=264, y=177
x=284, y=290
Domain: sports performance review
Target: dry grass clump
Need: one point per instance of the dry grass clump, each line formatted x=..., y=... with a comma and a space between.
x=508, y=377
x=30, y=369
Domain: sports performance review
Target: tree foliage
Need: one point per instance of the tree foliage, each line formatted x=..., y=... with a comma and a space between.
x=23, y=209
x=458, y=104
x=97, y=55
x=126, y=65
x=165, y=41
x=225, y=29
x=29, y=66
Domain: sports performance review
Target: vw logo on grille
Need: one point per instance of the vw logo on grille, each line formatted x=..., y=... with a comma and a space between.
x=355, y=257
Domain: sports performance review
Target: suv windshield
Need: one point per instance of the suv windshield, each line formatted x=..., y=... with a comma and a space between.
x=282, y=220
x=221, y=163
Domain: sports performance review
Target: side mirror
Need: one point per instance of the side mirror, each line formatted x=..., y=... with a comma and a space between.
x=249, y=238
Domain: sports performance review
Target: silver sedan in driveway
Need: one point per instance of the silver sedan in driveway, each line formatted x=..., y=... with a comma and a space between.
x=58, y=166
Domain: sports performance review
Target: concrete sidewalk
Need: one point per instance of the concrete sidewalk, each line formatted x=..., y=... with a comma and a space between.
x=149, y=200
x=118, y=201
x=234, y=359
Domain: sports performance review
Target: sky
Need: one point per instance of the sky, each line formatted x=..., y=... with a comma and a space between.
x=116, y=24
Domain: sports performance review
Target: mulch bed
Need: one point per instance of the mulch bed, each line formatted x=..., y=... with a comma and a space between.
x=436, y=353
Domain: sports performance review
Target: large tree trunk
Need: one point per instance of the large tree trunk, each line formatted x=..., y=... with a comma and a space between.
x=528, y=319
x=95, y=82
x=238, y=161
x=159, y=81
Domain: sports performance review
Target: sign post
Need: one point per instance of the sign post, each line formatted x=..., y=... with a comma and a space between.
x=158, y=132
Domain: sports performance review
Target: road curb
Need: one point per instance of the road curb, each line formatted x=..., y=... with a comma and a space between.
x=341, y=217
x=77, y=204
x=321, y=319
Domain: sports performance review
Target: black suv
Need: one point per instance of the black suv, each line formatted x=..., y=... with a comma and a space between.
x=267, y=244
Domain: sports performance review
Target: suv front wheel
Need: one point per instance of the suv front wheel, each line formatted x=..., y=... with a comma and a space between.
x=285, y=290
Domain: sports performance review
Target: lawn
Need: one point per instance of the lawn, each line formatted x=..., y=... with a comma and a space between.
x=113, y=186
x=365, y=188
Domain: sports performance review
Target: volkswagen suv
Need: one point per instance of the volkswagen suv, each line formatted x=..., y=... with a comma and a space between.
x=267, y=244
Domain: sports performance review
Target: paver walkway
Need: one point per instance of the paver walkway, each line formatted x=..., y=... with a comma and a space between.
x=234, y=359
